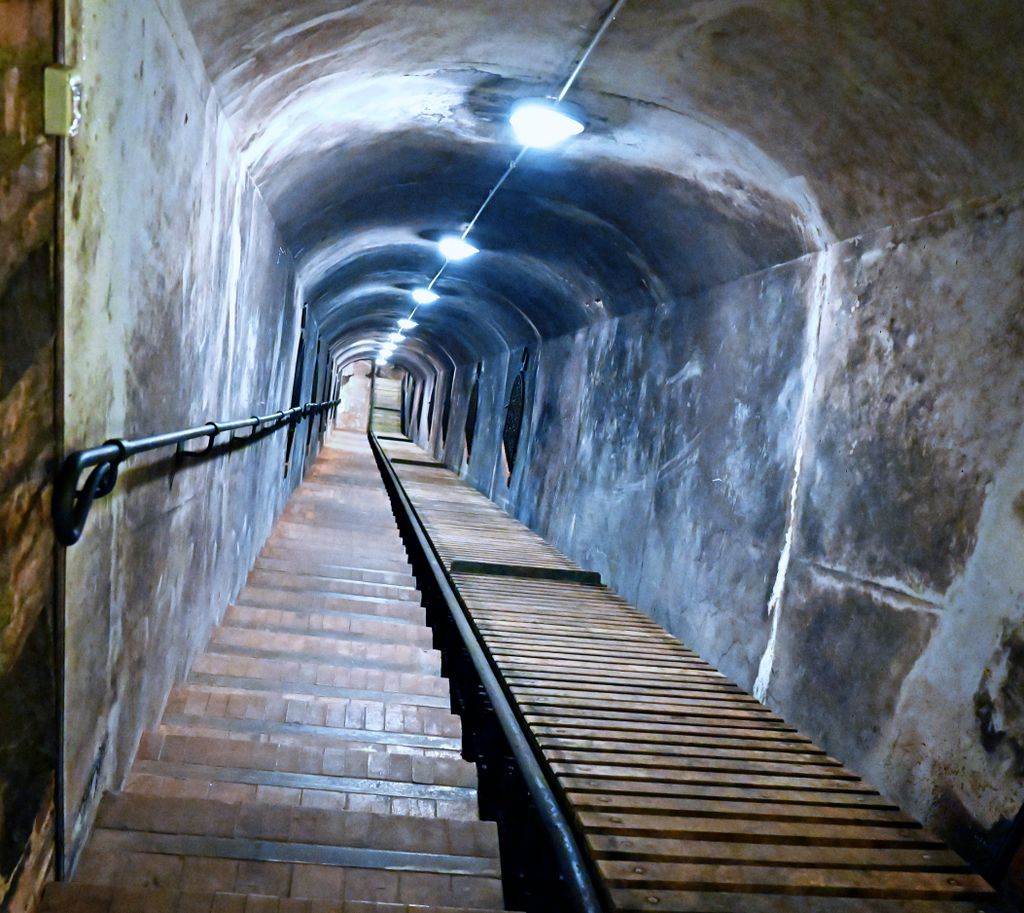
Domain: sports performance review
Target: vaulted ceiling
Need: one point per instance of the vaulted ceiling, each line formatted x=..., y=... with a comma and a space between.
x=724, y=137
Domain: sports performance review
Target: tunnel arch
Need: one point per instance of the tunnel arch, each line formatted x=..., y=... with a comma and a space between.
x=769, y=290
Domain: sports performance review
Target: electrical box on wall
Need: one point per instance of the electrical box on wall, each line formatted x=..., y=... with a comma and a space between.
x=62, y=89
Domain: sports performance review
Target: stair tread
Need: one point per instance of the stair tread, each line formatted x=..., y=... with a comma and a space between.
x=339, y=571
x=294, y=674
x=257, y=821
x=361, y=627
x=363, y=761
x=317, y=582
x=93, y=898
x=279, y=706
x=324, y=651
x=269, y=597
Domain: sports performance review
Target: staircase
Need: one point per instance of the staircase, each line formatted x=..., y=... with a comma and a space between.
x=309, y=764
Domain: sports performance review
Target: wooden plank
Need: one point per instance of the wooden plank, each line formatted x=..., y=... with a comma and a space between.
x=639, y=900
x=753, y=808
x=620, y=790
x=640, y=723
x=636, y=710
x=643, y=741
x=664, y=765
x=574, y=749
x=655, y=849
x=519, y=571
x=708, y=776
x=614, y=682
x=679, y=698
x=821, y=882
x=804, y=833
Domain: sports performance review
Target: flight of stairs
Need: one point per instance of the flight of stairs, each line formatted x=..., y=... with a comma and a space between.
x=310, y=763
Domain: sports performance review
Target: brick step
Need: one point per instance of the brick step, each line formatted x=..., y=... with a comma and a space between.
x=112, y=861
x=334, y=625
x=266, y=832
x=424, y=764
x=73, y=897
x=287, y=615
x=242, y=785
x=299, y=537
x=371, y=543
x=290, y=550
x=312, y=736
x=324, y=514
x=324, y=651
x=389, y=714
x=272, y=578
x=295, y=677
x=339, y=571
x=375, y=780
x=266, y=598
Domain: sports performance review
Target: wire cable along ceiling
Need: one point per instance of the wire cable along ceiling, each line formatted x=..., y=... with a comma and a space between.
x=537, y=123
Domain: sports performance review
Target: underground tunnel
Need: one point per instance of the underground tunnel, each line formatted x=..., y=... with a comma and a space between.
x=732, y=388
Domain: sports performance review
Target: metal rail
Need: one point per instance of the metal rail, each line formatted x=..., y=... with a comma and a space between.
x=71, y=504
x=572, y=861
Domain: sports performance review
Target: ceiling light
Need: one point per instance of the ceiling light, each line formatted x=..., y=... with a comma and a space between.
x=424, y=296
x=407, y=323
x=388, y=347
x=382, y=360
x=540, y=123
x=455, y=248
x=396, y=336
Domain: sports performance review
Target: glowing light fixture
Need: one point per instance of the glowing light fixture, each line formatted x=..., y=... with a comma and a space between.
x=455, y=248
x=540, y=123
x=424, y=296
x=396, y=337
x=382, y=361
x=407, y=323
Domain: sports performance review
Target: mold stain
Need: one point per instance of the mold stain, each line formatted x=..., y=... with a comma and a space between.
x=999, y=700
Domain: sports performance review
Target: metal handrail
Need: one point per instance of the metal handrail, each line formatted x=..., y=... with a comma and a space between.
x=573, y=863
x=71, y=504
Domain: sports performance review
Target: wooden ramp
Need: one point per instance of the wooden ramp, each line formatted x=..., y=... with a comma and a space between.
x=688, y=794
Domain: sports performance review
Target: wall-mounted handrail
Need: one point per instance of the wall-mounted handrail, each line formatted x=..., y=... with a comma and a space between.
x=71, y=504
x=579, y=885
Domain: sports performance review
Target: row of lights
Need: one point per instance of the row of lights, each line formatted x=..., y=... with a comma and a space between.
x=537, y=123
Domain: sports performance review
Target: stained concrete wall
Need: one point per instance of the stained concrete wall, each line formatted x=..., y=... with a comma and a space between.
x=28, y=325
x=815, y=476
x=180, y=308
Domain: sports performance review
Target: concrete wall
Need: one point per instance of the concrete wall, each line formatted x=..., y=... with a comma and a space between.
x=815, y=476
x=28, y=326
x=180, y=308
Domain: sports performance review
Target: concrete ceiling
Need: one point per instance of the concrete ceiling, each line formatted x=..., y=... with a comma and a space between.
x=725, y=137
